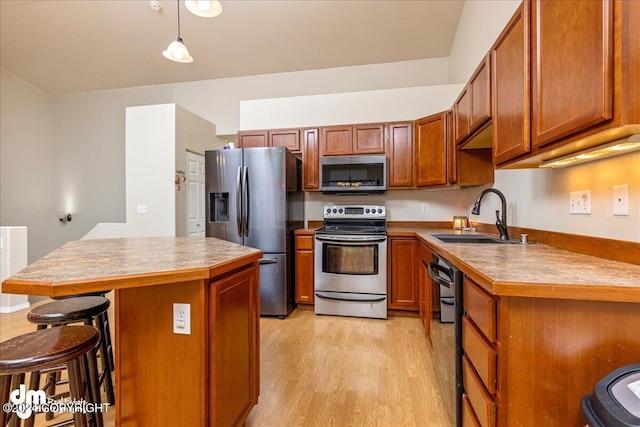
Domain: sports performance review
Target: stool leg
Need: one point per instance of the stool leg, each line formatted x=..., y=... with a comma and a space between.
x=94, y=386
x=75, y=385
x=5, y=389
x=17, y=379
x=104, y=360
x=34, y=384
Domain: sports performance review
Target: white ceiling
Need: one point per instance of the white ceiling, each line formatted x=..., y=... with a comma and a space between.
x=70, y=46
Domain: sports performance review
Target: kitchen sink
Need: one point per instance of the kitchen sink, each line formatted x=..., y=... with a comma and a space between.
x=469, y=238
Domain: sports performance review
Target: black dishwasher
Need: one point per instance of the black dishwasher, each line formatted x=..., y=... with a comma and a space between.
x=450, y=277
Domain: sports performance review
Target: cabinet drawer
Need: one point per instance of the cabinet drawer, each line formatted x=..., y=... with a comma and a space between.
x=481, y=308
x=482, y=355
x=304, y=242
x=481, y=402
x=469, y=418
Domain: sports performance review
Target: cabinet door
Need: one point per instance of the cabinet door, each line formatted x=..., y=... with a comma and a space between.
x=461, y=113
x=480, y=84
x=403, y=292
x=426, y=287
x=304, y=269
x=431, y=151
x=510, y=74
x=253, y=138
x=336, y=140
x=234, y=337
x=310, y=160
x=287, y=138
x=572, y=67
x=452, y=150
x=368, y=139
x=399, y=149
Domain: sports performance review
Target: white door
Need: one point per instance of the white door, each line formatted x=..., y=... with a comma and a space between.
x=195, y=195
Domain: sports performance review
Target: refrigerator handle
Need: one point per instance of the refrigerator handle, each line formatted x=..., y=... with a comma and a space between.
x=239, y=201
x=245, y=211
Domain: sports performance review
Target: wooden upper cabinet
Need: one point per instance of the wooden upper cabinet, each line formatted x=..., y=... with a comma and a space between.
x=288, y=138
x=336, y=140
x=310, y=160
x=461, y=115
x=399, y=149
x=572, y=67
x=431, y=150
x=480, y=87
x=510, y=86
x=368, y=139
x=253, y=138
x=352, y=139
x=452, y=150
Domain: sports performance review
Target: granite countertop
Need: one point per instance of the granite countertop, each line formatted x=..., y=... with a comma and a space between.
x=103, y=264
x=537, y=270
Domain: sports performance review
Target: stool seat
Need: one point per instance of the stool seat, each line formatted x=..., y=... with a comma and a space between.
x=46, y=348
x=72, y=346
x=68, y=310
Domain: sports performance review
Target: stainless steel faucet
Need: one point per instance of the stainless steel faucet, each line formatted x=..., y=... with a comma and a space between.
x=501, y=223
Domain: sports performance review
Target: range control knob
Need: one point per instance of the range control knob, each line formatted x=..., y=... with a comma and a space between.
x=366, y=211
x=340, y=210
x=328, y=210
x=380, y=211
x=335, y=210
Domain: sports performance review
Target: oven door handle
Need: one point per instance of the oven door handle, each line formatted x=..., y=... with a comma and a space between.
x=347, y=240
x=435, y=268
x=342, y=296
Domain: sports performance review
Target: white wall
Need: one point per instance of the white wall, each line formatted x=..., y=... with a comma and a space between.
x=218, y=100
x=481, y=22
x=25, y=162
x=13, y=258
x=347, y=107
x=195, y=134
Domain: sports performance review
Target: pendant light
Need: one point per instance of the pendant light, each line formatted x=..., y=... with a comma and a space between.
x=204, y=8
x=177, y=51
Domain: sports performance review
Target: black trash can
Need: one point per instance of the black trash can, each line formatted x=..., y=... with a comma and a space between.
x=615, y=401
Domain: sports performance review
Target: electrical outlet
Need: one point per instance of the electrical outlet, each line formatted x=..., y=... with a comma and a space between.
x=141, y=209
x=182, y=319
x=424, y=208
x=621, y=200
x=580, y=202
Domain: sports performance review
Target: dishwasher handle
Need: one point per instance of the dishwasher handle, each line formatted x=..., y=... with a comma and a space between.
x=435, y=268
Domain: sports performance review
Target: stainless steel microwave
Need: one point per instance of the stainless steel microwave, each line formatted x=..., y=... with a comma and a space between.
x=363, y=174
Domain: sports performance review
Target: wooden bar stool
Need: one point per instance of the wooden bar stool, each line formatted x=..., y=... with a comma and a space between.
x=72, y=346
x=92, y=311
x=105, y=320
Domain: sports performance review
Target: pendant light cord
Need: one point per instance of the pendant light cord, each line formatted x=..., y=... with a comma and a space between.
x=178, y=5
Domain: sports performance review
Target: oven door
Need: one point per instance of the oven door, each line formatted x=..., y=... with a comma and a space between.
x=351, y=263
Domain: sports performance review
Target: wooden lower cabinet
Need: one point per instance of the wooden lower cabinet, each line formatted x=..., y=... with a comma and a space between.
x=426, y=288
x=528, y=361
x=304, y=269
x=402, y=283
x=234, y=338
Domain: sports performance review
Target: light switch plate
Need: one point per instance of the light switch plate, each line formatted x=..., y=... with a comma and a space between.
x=621, y=200
x=141, y=209
x=580, y=202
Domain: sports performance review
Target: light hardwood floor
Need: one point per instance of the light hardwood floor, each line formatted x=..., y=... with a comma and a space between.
x=334, y=371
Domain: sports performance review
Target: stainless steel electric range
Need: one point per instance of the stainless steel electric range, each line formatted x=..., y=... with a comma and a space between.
x=351, y=262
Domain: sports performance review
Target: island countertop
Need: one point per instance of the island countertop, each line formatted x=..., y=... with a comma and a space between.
x=104, y=264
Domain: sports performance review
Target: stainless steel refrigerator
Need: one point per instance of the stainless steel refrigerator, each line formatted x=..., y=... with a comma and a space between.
x=254, y=198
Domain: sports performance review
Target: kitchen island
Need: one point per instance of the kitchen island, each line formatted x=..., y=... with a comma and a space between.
x=209, y=377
